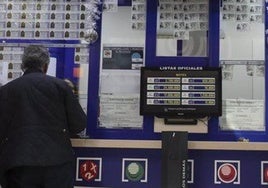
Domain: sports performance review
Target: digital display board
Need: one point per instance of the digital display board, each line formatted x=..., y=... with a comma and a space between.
x=182, y=92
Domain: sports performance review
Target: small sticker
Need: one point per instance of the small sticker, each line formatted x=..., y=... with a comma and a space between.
x=89, y=169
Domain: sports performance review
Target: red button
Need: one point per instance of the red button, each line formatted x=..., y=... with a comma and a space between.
x=266, y=174
x=227, y=173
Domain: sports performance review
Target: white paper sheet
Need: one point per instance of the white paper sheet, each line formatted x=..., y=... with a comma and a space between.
x=242, y=115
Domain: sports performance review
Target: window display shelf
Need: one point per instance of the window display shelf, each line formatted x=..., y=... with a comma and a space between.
x=156, y=144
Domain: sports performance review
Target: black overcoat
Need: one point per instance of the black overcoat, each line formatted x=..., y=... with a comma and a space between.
x=38, y=113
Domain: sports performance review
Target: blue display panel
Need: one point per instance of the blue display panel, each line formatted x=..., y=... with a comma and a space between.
x=140, y=168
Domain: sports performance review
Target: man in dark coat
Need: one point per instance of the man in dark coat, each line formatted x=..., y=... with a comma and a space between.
x=38, y=114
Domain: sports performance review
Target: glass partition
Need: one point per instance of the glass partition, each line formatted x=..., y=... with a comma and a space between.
x=242, y=55
x=122, y=56
x=182, y=28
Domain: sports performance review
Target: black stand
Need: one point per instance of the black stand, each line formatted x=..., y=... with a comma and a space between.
x=174, y=159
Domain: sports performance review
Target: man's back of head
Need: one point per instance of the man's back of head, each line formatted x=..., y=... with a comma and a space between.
x=35, y=57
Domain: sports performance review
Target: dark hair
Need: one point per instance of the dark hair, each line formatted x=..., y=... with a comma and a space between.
x=35, y=56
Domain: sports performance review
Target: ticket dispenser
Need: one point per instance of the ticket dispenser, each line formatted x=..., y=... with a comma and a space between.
x=174, y=159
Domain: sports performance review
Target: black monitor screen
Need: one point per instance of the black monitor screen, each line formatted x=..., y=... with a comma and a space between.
x=193, y=92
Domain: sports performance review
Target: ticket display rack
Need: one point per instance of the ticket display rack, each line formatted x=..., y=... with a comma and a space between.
x=42, y=20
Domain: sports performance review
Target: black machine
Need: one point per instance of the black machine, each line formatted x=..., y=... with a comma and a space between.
x=181, y=93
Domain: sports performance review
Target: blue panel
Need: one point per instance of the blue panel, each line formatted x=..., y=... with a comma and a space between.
x=28, y=41
x=112, y=160
x=124, y=2
x=247, y=166
x=65, y=62
x=152, y=60
x=179, y=47
x=214, y=33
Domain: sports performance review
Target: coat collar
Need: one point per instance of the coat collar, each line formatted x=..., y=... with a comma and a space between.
x=32, y=70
